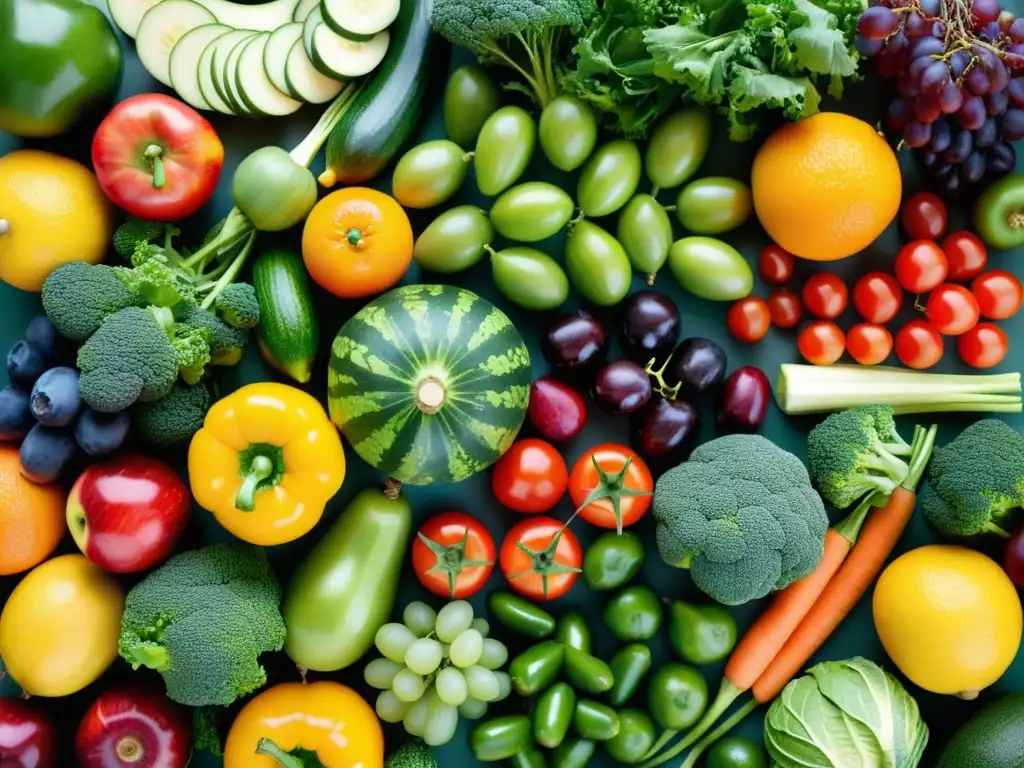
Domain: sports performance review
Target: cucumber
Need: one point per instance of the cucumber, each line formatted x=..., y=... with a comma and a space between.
x=255, y=90
x=289, y=335
x=304, y=8
x=184, y=66
x=389, y=108
x=358, y=19
x=206, y=84
x=259, y=17
x=160, y=30
x=211, y=64
x=128, y=13
x=305, y=81
x=275, y=55
x=337, y=56
x=229, y=76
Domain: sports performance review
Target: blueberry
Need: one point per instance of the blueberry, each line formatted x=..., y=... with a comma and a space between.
x=101, y=433
x=24, y=364
x=41, y=334
x=15, y=416
x=45, y=452
x=55, y=400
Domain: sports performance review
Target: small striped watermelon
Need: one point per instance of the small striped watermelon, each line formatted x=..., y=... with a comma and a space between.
x=429, y=383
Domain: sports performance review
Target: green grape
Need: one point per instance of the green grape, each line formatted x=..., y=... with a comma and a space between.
x=493, y=655
x=504, y=685
x=423, y=656
x=473, y=709
x=466, y=649
x=481, y=683
x=416, y=719
x=442, y=720
x=451, y=686
x=481, y=626
x=380, y=673
x=390, y=708
x=393, y=640
x=419, y=618
x=453, y=620
x=408, y=686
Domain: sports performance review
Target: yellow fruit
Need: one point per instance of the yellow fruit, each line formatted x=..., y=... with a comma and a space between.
x=949, y=617
x=825, y=187
x=52, y=211
x=60, y=626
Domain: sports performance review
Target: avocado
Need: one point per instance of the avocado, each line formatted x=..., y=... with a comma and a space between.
x=993, y=737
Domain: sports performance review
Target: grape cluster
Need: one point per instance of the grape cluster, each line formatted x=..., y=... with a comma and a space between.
x=958, y=67
x=437, y=666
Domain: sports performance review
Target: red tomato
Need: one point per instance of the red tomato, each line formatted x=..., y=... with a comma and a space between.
x=923, y=216
x=983, y=346
x=877, y=297
x=821, y=342
x=453, y=555
x=920, y=266
x=622, y=474
x=868, y=343
x=918, y=344
x=553, y=562
x=531, y=477
x=785, y=308
x=825, y=295
x=775, y=264
x=952, y=309
x=999, y=294
x=966, y=255
x=749, y=319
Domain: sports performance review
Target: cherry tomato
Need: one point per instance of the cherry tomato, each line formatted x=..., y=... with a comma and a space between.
x=868, y=343
x=785, y=308
x=531, y=477
x=983, y=346
x=749, y=319
x=821, y=342
x=453, y=555
x=552, y=564
x=966, y=255
x=918, y=344
x=999, y=294
x=614, y=476
x=775, y=264
x=952, y=309
x=825, y=295
x=877, y=297
x=920, y=266
x=924, y=216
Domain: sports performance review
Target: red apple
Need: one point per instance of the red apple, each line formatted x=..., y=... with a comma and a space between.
x=127, y=514
x=27, y=736
x=134, y=728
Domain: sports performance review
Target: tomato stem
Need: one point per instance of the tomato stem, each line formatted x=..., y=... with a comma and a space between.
x=154, y=154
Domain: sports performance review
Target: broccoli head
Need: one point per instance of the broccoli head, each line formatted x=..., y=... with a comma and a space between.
x=153, y=278
x=128, y=358
x=175, y=417
x=237, y=305
x=78, y=297
x=412, y=754
x=976, y=482
x=226, y=343
x=202, y=619
x=742, y=516
x=135, y=232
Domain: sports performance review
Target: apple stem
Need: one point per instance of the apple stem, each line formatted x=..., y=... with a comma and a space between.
x=260, y=469
x=266, y=747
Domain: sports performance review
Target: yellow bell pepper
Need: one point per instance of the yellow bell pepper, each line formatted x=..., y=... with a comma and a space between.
x=326, y=718
x=266, y=462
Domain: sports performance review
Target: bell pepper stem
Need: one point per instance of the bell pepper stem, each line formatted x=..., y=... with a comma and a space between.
x=154, y=154
x=266, y=747
x=5, y=227
x=260, y=469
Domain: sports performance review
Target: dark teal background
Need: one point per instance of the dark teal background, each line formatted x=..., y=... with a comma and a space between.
x=856, y=636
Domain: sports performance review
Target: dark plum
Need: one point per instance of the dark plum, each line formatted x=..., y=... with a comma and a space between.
x=743, y=403
x=101, y=433
x=1013, y=558
x=697, y=365
x=575, y=344
x=621, y=387
x=45, y=453
x=41, y=334
x=15, y=416
x=556, y=410
x=24, y=364
x=665, y=430
x=55, y=401
x=650, y=326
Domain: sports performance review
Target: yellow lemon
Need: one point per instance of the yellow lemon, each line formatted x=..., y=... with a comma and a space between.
x=52, y=211
x=949, y=617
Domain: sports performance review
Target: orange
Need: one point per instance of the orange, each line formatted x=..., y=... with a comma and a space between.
x=826, y=187
x=31, y=517
x=357, y=242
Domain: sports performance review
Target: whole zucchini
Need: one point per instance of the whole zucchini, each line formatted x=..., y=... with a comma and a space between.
x=289, y=334
x=391, y=105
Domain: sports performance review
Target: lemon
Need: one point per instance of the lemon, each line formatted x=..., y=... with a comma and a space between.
x=949, y=617
x=52, y=211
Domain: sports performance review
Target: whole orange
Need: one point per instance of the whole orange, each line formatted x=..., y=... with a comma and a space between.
x=31, y=517
x=826, y=187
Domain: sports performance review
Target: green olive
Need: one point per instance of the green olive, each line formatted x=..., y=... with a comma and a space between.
x=710, y=269
x=597, y=264
x=530, y=278
x=645, y=231
x=504, y=149
x=429, y=174
x=470, y=98
x=609, y=178
x=532, y=211
x=714, y=205
x=677, y=147
x=568, y=132
x=454, y=241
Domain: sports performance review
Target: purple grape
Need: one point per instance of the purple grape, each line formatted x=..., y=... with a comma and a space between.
x=977, y=81
x=934, y=77
x=869, y=48
x=942, y=136
x=917, y=134
x=990, y=32
x=898, y=43
x=951, y=98
x=575, y=344
x=972, y=169
x=950, y=185
x=650, y=326
x=958, y=63
x=1002, y=158
x=985, y=11
x=1016, y=91
x=930, y=8
x=1014, y=59
x=927, y=46
x=621, y=387
x=1011, y=124
x=985, y=136
x=917, y=67
x=959, y=149
x=1017, y=49
x=998, y=77
x=942, y=171
x=915, y=25
x=906, y=86
x=972, y=114
x=877, y=23
x=926, y=109
x=899, y=114
x=938, y=30
x=928, y=159
x=1016, y=31
x=997, y=102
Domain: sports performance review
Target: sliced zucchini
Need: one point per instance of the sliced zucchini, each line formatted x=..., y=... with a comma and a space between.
x=309, y=26
x=304, y=8
x=185, y=68
x=254, y=87
x=128, y=13
x=260, y=17
x=220, y=49
x=160, y=30
x=229, y=76
x=209, y=91
x=337, y=56
x=276, y=52
x=306, y=82
x=360, y=19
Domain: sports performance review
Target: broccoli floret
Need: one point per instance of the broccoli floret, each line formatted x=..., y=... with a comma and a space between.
x=856, y=452
x=78, y=297
x=207, y=723
x=128, y=358
x=154, y=279
x=414, y=754
x=976, y=482
x=237, y=305
x=226, y=343
x=135, y=232
x=742, y=516
x=175, y=417
x=202, y=619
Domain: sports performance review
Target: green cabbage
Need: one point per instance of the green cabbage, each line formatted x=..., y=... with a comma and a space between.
x=849, y=713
